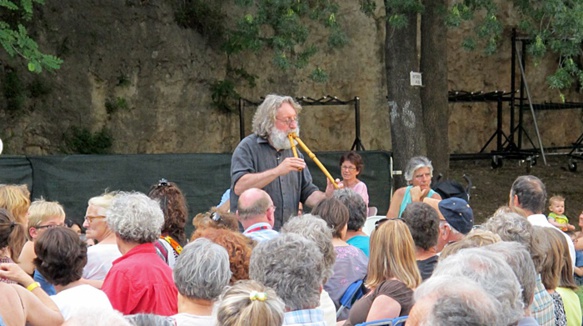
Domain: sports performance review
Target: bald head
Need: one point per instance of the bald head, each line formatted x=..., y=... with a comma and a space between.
x=255, y=206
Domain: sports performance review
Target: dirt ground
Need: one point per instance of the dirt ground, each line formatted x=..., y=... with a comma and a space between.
x=491, y=186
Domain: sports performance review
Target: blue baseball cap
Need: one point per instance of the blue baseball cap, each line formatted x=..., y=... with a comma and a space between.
x=458, y=213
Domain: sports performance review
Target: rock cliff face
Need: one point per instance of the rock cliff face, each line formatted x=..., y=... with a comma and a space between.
x=130, y=68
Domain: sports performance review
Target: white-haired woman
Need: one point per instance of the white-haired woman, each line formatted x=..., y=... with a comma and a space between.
x=418, y=174
x=139, y=281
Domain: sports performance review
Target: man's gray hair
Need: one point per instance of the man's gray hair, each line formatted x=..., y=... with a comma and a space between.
x=292, y=266
x=135, y=217
x=531, y=192
x=202, y=270
x=449, y=304
x=264, y=118
x=519, y=260
x=356, y=207
x=314, y=228
x=416, y=163
x=493, y=274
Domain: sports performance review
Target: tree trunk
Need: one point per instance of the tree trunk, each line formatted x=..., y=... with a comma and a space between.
x=434, y=94
x=407, y=131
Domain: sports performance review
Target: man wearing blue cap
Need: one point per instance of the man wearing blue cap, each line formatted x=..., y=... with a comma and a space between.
x=456, y=219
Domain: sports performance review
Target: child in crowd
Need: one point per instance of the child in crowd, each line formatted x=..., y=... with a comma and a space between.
x=578, y=266
x=557, y=215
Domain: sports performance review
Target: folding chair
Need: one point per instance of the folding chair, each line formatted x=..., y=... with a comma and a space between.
x=354, y=292
x=398, y=321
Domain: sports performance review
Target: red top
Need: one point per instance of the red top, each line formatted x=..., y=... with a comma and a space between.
x=140, y=282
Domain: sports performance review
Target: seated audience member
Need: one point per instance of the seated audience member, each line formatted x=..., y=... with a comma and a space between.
x=528, y=197
x=250, y=303
x=292, y=266
x=518, y=258
x=351, y=263
x=255, y=212
x=173, y=205
x=551, y=267
x=418, y=174
x=315, y=229
x=201, y=273
x=392, y=275
x=100, y=257
x=493, y=274
x=60, y=257
x=513, y=227
x=237, y=245
x=11, y=236
x=423, y=222
x=440, y=302
x=567, y=287
x=356, y=218
x=457, y=219
x=212, y=219
x=475, y=239
x=75, y=226
x=139, y=281
x=351, y=166
x=27, y=304
x=42, y=215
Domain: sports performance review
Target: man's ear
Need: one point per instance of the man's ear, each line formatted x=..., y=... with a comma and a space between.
x=33, y=232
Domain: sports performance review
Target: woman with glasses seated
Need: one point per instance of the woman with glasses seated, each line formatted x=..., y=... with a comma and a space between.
x=418, y=174
x=392, y=275
x=100, y=256
x=351, y=165
x=42, y=215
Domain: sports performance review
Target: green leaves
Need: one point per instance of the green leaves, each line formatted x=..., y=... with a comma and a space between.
x=16, y=41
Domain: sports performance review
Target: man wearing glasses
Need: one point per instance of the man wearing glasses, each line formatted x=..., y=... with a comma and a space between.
x=265, y=160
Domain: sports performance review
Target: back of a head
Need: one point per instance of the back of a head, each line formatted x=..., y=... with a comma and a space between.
x=475, y=239
x=492, y=273
x=249, y=303
x=134, y=217
x=334, y=213
x=519, y=260
x=531, y=192
x=446, y=300
x=144, y=319
x=173, y=205
x=550, y=241
x=16, y=199
x=392, y=254
x=11, y=234
x=423, y=222
x=510, y=226
x=357, y=209
x=315, y=229
x=202, y=270
x=292, y=266
x=41, y=210
x=237, y=245
x=60, y=255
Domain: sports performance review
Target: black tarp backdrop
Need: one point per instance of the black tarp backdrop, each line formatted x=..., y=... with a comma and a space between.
x=73, y=179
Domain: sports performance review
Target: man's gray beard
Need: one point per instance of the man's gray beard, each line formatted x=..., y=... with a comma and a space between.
x=279, y=138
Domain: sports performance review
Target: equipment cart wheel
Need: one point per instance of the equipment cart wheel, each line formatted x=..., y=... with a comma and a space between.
x=572, y=166
x=496, y=161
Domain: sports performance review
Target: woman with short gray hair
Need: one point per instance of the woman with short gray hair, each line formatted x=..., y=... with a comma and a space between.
x=201, y=273
x=139, y=281
x=418, y=174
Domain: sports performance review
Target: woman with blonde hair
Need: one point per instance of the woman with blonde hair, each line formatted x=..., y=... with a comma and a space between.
x=15, y=199
x=392, y=275
x=250, y=303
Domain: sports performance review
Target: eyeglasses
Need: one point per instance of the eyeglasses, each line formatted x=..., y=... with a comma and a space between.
x=50, y=226
x=349, y=168
x=91, y=218
x=288, y=121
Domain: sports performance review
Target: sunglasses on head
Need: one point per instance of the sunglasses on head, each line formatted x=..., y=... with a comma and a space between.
x=378, y=223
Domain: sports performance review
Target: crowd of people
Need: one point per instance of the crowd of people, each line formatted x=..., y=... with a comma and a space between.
x=263, y=263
